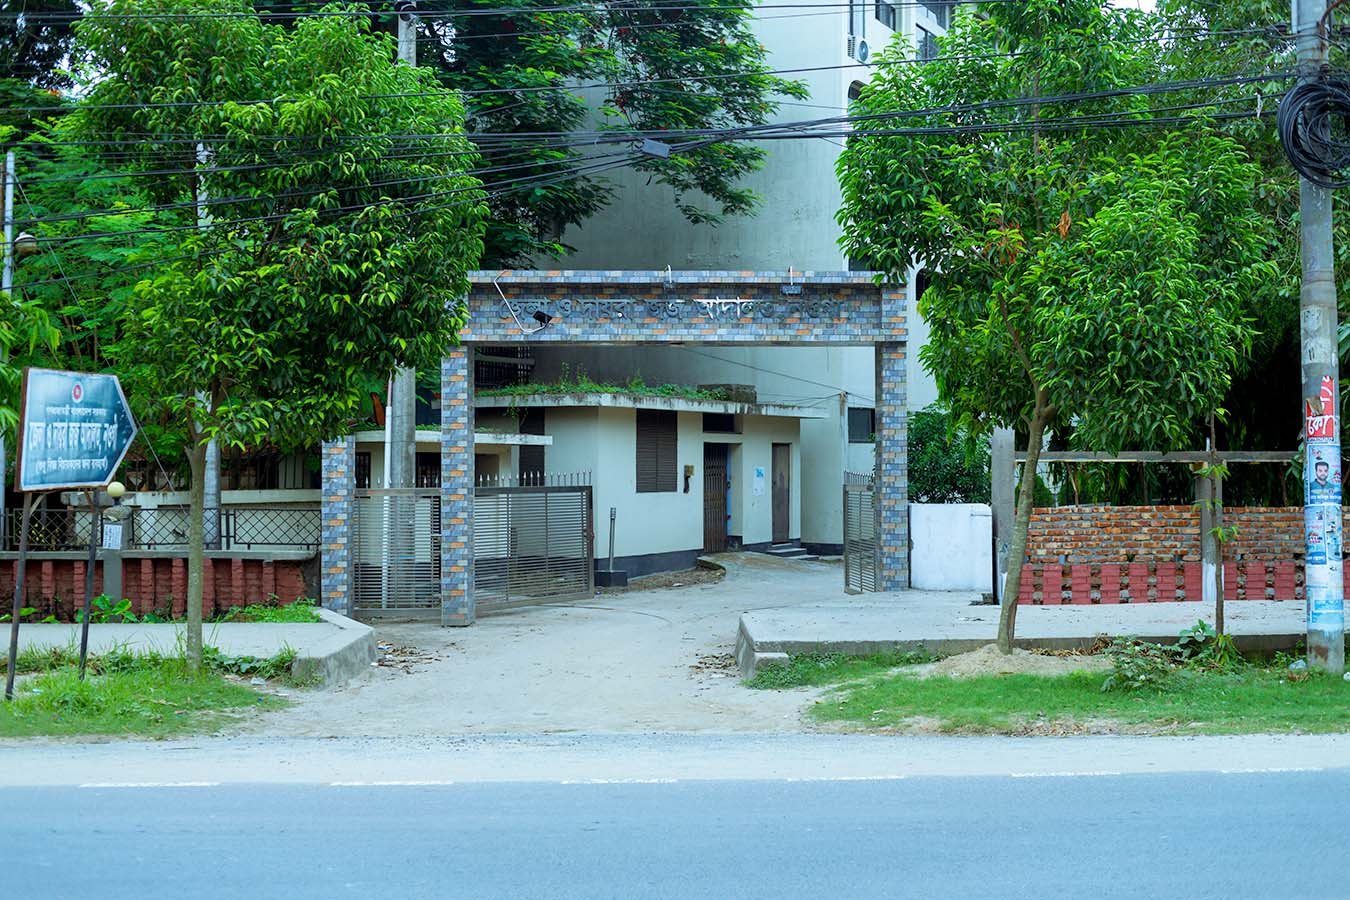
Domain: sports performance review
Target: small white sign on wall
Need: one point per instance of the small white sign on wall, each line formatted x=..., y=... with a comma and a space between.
x=758, y=488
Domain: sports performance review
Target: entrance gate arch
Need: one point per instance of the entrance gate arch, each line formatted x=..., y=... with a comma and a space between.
x=626, y=308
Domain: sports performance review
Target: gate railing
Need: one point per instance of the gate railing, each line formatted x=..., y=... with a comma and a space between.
x=532, y=543
x=396, y=551
x=860, y=536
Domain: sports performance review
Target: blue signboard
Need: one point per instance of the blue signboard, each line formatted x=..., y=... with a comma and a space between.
x=74, y=430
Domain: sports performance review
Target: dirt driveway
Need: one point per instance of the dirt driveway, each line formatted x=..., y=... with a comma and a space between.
x=642, y=661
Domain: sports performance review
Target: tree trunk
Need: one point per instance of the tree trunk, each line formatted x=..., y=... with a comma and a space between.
x=196, y=454
x=1026, y=496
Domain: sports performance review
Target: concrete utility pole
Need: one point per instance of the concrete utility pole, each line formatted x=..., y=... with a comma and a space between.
x=401, y=445
x=1323, y=584
x=6, y=286
x=211, y=485
x=1002, y=501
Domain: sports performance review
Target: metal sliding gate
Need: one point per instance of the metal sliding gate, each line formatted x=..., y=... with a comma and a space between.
x=860, y=533
x=532, y=544
x=396, y=553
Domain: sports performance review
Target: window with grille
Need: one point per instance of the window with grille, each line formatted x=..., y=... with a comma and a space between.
x=941, y=12
x=363, y=470
x=657, y=464
x=862, y=424
x=886, y=15
x=927, y=44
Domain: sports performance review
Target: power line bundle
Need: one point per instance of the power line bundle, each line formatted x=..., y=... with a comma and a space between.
x=1314, y=128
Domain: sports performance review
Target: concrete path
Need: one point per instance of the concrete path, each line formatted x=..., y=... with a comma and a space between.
x=327, y=652
x=658, y=660
x=947, y=622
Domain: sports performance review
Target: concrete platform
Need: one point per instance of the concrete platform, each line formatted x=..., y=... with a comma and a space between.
x=327, y=653
x=947, y=622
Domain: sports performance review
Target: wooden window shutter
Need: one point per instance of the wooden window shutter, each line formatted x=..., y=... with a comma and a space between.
x=657, y=462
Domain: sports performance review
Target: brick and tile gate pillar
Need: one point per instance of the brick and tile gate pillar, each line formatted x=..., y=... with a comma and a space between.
x=457, y=606
x=336, y=515
x=891, y=497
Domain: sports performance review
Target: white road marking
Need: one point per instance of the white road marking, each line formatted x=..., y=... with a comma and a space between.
x=150, y=784
x=619, y=781
x=1092, y=773
x=389, y=783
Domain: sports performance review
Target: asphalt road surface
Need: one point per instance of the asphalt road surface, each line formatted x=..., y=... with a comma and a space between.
x=1188, y=835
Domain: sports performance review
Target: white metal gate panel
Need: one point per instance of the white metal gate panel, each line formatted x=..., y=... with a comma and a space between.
x=532, y=544
x=860, y=533
x=396, y=559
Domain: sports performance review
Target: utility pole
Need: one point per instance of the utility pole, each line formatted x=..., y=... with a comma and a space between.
x=6, y=288
x=401, y=444
x=211, y=483
x=1002, y=502
x=1323, y=585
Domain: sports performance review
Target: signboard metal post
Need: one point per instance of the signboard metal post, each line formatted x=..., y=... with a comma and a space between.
x=18, y=597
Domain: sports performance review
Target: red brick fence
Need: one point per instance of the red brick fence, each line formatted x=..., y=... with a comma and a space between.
x=1151, y=554
x=155, y=582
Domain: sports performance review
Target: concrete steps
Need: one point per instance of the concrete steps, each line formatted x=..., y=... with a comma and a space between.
x=791, y=550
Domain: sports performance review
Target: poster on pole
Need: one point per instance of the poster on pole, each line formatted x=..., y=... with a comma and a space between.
x=74, y=430
x=1322, y=516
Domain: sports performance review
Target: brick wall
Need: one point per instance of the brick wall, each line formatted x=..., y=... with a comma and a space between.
x=158, y=584
x=1121, y=534
x=1149, y=554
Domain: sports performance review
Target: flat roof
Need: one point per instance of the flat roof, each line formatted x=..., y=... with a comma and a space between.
x=480, y=438
x=643, y=401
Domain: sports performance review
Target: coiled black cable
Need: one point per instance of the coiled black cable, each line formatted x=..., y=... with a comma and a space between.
x=1314, y=128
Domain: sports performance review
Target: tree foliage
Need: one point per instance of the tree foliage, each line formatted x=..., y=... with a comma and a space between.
x=36, y=38
x=1098, y=280
x=334, y=248
x=660, y=67
x=945, y=466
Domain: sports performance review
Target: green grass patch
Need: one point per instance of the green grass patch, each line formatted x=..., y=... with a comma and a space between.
x=1249, y=699
x=143, y=696
x=817, y=669
x=300, y=612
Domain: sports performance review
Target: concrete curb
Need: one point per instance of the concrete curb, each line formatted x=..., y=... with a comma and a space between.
x=753, y=655
x=340, y=657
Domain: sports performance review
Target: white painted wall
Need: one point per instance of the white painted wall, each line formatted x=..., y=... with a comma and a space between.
x=806, y=376
x=952, y=546
x=604, y=441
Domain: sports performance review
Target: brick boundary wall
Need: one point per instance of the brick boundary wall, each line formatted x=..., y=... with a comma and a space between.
x=1139, y=554
x=155, y=584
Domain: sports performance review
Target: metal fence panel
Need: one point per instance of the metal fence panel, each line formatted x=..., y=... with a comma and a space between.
x=532, y=544
x=396, y=552
x=860, y=535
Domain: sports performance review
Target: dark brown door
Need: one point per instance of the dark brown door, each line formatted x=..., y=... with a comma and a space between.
x=715, y=510
x=782, y=492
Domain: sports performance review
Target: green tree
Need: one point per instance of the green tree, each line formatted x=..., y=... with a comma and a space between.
x=661, y=67
x=335, y=247
x=945, y=465
x=36, y=38
x=1087, y=276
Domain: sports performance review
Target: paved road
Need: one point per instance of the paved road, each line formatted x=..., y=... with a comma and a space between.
x=1178, y=835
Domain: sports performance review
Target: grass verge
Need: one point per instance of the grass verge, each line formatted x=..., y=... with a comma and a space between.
x=144, y=696
x=299, y=612
x=1249, y=700
x=817, y=669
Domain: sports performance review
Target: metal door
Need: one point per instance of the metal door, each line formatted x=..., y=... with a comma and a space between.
x=782, y=492
x=715, y=493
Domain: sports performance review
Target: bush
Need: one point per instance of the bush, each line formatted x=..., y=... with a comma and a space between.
x=1137, y=665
